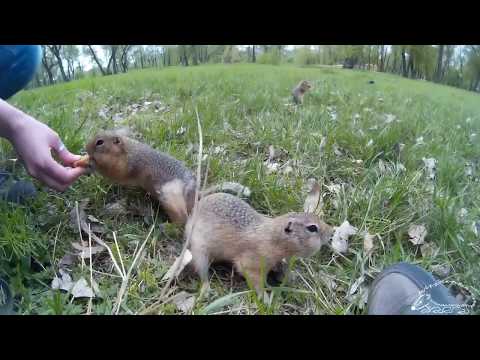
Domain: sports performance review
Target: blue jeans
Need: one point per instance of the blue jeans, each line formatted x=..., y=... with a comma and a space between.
x=18, y=65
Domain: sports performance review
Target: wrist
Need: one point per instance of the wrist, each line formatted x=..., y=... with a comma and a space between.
x=12, y=121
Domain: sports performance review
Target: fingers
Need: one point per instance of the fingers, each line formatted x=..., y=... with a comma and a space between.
x=65, y=156
x=56, y=176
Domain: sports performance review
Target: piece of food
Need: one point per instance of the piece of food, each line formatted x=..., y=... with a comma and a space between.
x=83, y=162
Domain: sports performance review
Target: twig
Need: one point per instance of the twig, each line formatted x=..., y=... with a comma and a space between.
x=194, y=211
x=118, y=251
x=89, y=309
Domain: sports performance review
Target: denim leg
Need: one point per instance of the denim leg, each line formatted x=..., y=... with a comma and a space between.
x=18, y=65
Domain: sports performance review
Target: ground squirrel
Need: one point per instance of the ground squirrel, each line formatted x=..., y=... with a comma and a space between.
x=126, y=161
x=299, y=91
x=226, y=228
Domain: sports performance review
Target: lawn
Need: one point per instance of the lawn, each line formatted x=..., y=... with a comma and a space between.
x=364, y=142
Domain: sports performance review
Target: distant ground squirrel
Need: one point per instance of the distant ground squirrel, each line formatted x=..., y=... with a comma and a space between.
x=129, y=162
x=299, y=91
x=226, y=228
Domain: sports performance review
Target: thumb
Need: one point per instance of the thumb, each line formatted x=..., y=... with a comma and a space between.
x=65, y=156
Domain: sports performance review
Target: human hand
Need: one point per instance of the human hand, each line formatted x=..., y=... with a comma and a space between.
x=33, y=142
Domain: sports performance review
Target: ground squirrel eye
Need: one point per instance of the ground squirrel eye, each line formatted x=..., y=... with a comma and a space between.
x=312, y=228
x=99, y=142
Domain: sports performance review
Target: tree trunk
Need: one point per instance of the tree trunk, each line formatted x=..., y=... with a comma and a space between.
x=96, y=60
x=254, y=57
x=438, y=71
x=404, y=64
x=369, y=56
x=55, y=49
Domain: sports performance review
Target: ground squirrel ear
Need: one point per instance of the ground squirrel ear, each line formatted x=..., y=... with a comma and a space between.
x=288, y=229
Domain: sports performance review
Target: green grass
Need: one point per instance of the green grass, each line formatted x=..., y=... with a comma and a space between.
x=243, y=108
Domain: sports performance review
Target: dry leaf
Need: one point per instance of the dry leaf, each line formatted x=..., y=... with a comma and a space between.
x=353, y=289
x=115, y=209
x=341, y=235
x=184, y=301
x=81, y=289
x=313, y=199
x=370, y=143
x=389, y=118
x=67, y=260
x=183, y=262
x=336, y=150
x=181, y=131
x=323, y=142
x=430, y=167
x=442, y=271
x=235, y=188
x=429, y=250
x=368, y=242
x=84, y=251
x=419, y=141
x=64, y=282
x=417, y=234
x=468, y=169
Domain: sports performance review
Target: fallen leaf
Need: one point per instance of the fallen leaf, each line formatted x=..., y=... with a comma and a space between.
x=117, y=117
x=417, y=234
x=462, y=214
x=64, y=282
x=468, y=169
x=419, y=141
x=81, y=289
x=368, y=242
x=115, y=209
x=476, y=228
x=272, y=167
x=336, y=150
x=313, y=199
x=430, y=167
x=67, y=260
x=184, y=302
x=93, y=219
x=181, y=131
x=341, y=235
x=442, y=271
x=429, y=250
x=323, y=142
x=84, y=251
x=400, y=167
x=218, y=150
x=370, y=143
x=183, y=262
x=235, y=188
x=389, y=118
x=353, y=289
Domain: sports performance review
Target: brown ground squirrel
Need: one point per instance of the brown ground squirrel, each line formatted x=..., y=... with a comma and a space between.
x=126, y=161
x=226, y=228
x=299, y=91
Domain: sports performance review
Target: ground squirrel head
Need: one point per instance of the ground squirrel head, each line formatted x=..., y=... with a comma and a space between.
x=305, y=85
x=306, y=232
x=108, y=153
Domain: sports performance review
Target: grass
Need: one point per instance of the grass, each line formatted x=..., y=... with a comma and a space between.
x=243, y=110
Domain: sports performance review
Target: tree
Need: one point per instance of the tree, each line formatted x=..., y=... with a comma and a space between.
x=439, y=70
x=96, y=59
x=55, y=49
x=48, y=64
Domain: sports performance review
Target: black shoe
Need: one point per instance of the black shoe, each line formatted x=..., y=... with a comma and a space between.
x=15, y=191
x=6, y=301
x=406, y=289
